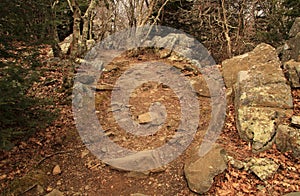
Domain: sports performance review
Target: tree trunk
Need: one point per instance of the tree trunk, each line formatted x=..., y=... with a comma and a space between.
x=55, y=40
x=74, y=48
x=226, y=29
x=87, y=24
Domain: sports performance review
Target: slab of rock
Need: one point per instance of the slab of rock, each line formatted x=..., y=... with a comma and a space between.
x=273, y=95
x=231, y=67
x=200, y=171
x=288, y=139
x=140, y=161
x=156, y=116
x=296, y=121
x=262, y=98
x=144, y=118
x=65, y=44
x=263, y=168
x=293, y=73
x=200, y=86
x=237, y=164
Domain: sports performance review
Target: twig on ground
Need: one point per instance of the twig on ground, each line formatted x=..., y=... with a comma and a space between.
x=51, y=155
x=30, y=188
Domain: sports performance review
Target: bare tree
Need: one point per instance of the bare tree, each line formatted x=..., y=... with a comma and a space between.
x=76, y=37
x=87, y=24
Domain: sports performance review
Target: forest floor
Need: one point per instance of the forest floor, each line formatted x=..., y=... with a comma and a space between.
x=28, y=169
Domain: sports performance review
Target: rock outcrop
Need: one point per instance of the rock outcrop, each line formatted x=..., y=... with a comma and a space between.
x=200, y=171
x=262, y=97
x=231, y=67
x=293, y=73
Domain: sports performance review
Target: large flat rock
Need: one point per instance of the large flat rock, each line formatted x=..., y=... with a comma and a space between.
x=200, y=171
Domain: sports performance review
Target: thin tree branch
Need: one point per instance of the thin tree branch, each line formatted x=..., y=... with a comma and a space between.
x=156, y=18
x=70, y=5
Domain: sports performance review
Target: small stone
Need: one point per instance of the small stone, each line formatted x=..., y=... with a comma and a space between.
x=263, y=168
x=2, y=177
x=110, y=67
x=179, y=66
x=138, y=194
x=296, y=121
x=84, y=153
x=164, y=53
x=260, y=187
x=140, y=161
x=58, y=183
x=144, y=118
x=39, y=189
x=235, y=163
x=56, y=170
x=49, y=188
x=55, y=192
x=104, y=87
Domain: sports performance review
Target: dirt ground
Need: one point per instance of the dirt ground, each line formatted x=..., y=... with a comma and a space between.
x=28, y=168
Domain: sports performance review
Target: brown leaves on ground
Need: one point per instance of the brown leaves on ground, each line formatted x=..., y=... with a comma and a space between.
x=83, y=174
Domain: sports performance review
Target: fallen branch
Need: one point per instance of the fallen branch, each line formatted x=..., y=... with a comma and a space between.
x=30, y=188
x=51, y=155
